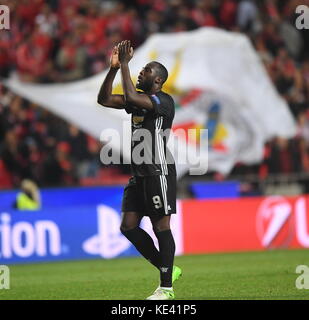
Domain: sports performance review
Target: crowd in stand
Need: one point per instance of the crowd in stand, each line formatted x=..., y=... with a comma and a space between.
x=38, y=145
x=64, y=40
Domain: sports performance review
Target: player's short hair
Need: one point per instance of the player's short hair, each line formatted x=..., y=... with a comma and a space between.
x=161, y=70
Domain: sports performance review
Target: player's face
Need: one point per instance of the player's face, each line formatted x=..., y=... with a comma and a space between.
x=146, y=78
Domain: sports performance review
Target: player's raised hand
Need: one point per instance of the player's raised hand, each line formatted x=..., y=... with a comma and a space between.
x=131, y=52
x=114, y=60
x=125, y=51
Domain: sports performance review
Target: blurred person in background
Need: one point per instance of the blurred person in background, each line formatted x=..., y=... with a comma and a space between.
x=59, y=166
x=79, y=151
x=29, y=197
x=71, y=59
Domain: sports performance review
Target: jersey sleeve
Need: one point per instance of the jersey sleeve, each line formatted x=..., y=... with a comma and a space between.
x=162, y=105
x=134, y=110
x=130, y=108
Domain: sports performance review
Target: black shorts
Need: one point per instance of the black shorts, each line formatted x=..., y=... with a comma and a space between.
x=151, y=195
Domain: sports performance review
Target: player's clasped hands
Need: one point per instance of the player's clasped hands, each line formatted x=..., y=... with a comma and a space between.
x=125, y=51
x=114, y=60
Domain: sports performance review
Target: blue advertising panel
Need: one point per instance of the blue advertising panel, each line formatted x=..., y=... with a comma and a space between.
x=216, y=190
x=64, y=232
x=60, y=197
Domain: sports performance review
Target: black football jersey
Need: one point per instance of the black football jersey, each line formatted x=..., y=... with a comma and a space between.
x=149, y=136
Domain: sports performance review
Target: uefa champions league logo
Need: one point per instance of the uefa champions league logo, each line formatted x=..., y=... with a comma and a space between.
x=4, y=17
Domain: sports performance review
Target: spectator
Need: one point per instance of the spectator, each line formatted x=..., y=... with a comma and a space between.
x=79, y=151
x=153, y=22
x=29, y=197
x=47, y=21
x=203, y=14
x=59, y=168
x=247, y=16
x=227, y=13
x=71, y=59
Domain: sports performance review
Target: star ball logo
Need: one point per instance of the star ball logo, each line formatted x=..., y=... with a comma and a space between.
x=302, y=21
x=4, y=17
x=279, y=222
x=273, y=222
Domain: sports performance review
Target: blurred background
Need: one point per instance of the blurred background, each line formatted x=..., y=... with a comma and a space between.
x=66, y=40
x=59, y=41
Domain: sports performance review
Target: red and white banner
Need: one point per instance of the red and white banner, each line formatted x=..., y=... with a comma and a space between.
x=245, y=224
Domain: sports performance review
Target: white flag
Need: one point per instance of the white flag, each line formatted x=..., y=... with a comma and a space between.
x=217, y=81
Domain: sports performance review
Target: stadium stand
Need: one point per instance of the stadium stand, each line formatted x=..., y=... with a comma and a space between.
x=64, y=40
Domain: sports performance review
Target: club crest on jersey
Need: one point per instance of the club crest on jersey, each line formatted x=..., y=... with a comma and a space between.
x=137, y=121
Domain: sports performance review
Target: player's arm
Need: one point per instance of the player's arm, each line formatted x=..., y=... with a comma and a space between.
x=105, y=96
x=131, y=96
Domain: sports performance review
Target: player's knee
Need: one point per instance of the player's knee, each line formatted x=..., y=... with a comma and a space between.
x=124, y=227
x=161, y=225
x=129, y=221
x=160, y=228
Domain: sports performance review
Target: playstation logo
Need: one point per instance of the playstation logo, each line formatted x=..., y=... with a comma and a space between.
x=108, y=242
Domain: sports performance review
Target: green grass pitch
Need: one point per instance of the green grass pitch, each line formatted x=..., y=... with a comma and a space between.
x=249, y=275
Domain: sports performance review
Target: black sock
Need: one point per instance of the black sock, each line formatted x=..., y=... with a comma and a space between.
x=167, y=252
x=144, y=244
